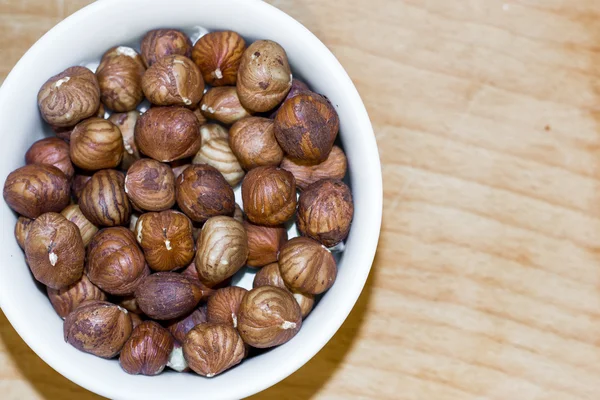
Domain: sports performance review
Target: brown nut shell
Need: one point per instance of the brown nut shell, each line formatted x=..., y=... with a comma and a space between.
x=51, y=151
x=120, y=79
x=103, y=200
x=36, y=189
x=147, y=350
x=218, y=55
x=181, y=326
x=150, y=185
x=223, y=305
x=96, y=143
x=334, y=167
x=264, y=243
x=211, y=349
x=222, y=104
x=69, y=97
x=86, y=228
x=126, y=124
x=160, y=43
x=173, y=81
x=253, y=142
x=98, y=327
x=215, y=151
x=69, y=298
x=22, y=228
x=269, y=195
x=268, y=316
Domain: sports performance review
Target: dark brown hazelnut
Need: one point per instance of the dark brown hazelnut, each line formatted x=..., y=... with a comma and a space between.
x=191, y=271
x=334, y=167
x=298, y=87
x=269, y=195
x=78, y=183
x=103, y=200
x=147, y=350
x=126, y=124
x=150, y=185
x=160, y=43
x=215, y=151
x=222, y=104
x=264, y=243
x=120, y=78
x=181, y=326
x=69, y=97
x=86, y=228
x=223, y=305
x=253, y=142
x=69, y=298
x=51, y=151
x=35, y=189
x=173, y=81
x=22, y=228
x=218, y=55
x=96, y=144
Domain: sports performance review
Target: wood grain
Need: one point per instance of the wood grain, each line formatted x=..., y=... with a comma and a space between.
x=485, y=286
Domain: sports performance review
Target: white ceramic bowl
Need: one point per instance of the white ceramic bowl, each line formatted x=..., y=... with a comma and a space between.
x=83, y=37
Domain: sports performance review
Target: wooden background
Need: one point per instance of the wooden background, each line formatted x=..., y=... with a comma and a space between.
x=485, y=285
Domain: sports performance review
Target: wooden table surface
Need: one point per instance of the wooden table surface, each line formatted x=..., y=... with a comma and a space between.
x=486, y=282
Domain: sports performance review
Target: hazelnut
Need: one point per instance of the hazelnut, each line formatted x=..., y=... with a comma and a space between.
x=168, y=295
x=133, y=221
x=268, y=316
x=69, y=298
x=202, y=192
x=126, y=124
x=63, y=133
x=325, y=211
x=78, y=183
x=198, y=113
x=166, y=239
x=130, y=304
x=305, y=301
x=307, y=266
x=210, y=349
x=22, y=228
x=213, y=131
x=120, y=79
x=51, y=151
x=160, y=43
x=135, y=320
x=218, y=55
x=86, y=228
x=173, y=80
x=181, y=326
x=101, y=112
x=96, y=144
x=178, y=170
x=191, y=271
x=168, y=133
x=298, y=87
x=222, y=104
x=238, y=214
x=69, y=97
x=35, y=189
x=222, y=249
x=264, y=243
x=269, y=195
x=115, y=263
x=103, y=200
x=177, y=360
x=253, y=142
x=264, y=76
x=215, y=151
x=147, y=350
x=306, y=126
x=223, y=305
x=55, y=251
x=98, y=327
x=334, y=167
x=150, y=185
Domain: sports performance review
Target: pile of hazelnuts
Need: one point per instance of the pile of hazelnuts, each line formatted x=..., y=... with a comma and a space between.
x=129, y=218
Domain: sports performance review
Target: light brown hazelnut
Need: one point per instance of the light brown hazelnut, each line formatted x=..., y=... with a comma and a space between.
x=264, y=76
x=307, y=266
x=215, y=151
x=147, y=350
x=264, y=243
x=130, y=304
x=181, y=326
x=36, y=189
x=269, y=195
x=334, y=167
x=222, y=249
x=69, y=298
x=160, y=43
x=222, y=104
x=238, y=214
x=98, y=327
x=69, y=97
x=211, y=349
x=168, y=133
x=173, y=81
x=305, y=301
x=96, y=144
x=218, y=55
x=120, y=78
x=253, y=142
x=202, y=193
x=103, y=200
x=51, y=151
x=86, y=228
x=126, y=124
x=213, y=131
x=268, y=316
x=22, y=228
x=223, y=305
x=150, y=185
x=78, y=183
x=135, y=320
x=55, y=251
x=166, y=239
x=115, y=263
x=198, y=113
x=306, y=126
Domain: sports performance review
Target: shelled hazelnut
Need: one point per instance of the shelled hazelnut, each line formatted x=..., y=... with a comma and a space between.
x=173, y=81
x=103, y=200
x=22, y=228
x=222, y=104
x=253, y=142
x=160, y=43
x=130, y=304
x=51, y=151
x=126, y=124
x=334, y=167
x=181, y=326
x=215, y=151
x=96, y=144
x=218, y=55
x=78, y=183
x=86, y=228
x=223, y=305
x=264, y=243
x=298, y=87
x=269, y=195
x=150, y=185
x=120, y=79
x=69, y=298
x=135, y=320
x=147, y=350
x=238, y=214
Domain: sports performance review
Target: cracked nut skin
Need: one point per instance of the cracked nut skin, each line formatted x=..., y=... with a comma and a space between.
x=147, y=350
x=269, y=196
x=223, y=305
x=215, y=151
x=115, y=263
x=160, y=43
x=264, y=243
x=78, y=183
x=120, y=79
x=334, y=167
x=168, y=133
x=126, y=124
x=98, y=327
x=222, y=104
x=36, y=189
x=86, y=228
x=69, y=298
x=325, y=211
x=69, y=97
x=51, y=151
x=55, y=251
x=211, y=349
x=96, y=144
x=307, y=266
x=181, y=326
x=202, y=193
x=268, y=316
x=168, y=295
x=173, y=81
x=22, y=228
x=103, y=200
x=166, y=238
x=306, y=126
x=222, y=250
x=150, y=185
x=264, y=76
x=218, y=55
x=253, y=142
